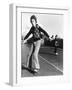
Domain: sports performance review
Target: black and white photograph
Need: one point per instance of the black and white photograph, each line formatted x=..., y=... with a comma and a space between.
x=37, y=45
x=41, y=44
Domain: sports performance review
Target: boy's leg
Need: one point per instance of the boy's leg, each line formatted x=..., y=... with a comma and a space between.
x=29, y=62
x=35, y=54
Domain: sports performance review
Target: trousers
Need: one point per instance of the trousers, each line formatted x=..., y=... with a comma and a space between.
x=33, y=55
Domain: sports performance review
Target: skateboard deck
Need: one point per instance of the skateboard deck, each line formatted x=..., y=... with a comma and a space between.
x=31, y=70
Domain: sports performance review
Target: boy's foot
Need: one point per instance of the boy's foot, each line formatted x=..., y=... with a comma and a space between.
x=36, y=70
x=30, y=69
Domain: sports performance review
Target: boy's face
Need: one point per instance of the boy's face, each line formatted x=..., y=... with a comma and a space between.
x=33, y=22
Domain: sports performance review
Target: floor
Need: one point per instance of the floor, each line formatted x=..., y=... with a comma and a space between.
x=50, y=64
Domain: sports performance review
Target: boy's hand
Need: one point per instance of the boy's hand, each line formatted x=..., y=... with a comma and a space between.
x=25, y=41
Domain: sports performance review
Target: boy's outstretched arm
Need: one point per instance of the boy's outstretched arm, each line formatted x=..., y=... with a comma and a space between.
x=43, y=31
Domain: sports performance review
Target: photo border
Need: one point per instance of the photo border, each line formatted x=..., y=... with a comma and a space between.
x=14, y=67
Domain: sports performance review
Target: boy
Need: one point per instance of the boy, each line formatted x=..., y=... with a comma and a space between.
x=37, y=35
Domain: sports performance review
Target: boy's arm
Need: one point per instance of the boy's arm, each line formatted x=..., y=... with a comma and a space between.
x=28, y=34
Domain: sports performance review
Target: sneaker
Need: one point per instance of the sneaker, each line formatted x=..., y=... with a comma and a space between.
x=36, y=70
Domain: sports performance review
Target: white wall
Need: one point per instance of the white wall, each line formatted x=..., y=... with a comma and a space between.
x=4, y=42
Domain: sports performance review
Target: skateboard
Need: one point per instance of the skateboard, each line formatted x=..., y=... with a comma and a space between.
x=31, y=70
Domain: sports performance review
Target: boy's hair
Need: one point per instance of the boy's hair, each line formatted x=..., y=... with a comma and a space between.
x=33, y=17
